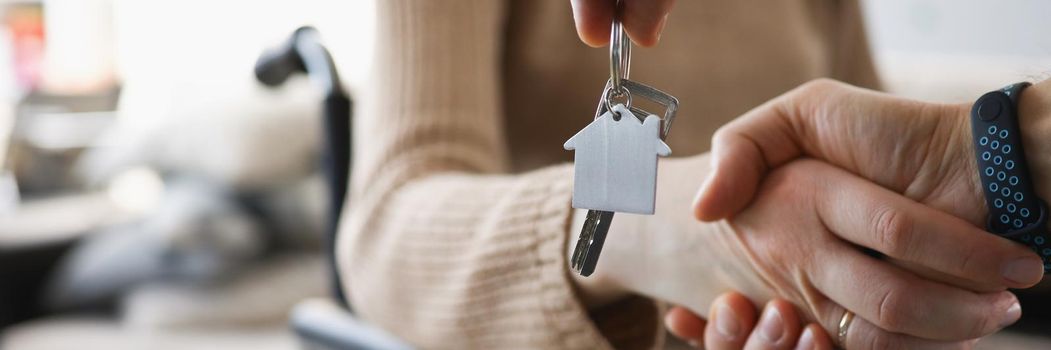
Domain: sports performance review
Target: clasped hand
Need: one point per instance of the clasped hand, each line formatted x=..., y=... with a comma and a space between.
x=835, y=199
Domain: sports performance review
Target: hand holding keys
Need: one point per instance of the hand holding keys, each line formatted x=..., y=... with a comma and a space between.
x=615, y=156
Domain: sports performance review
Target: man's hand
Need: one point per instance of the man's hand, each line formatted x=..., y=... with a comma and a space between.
x=920, y=150
x=643, y=19
x=799, y=241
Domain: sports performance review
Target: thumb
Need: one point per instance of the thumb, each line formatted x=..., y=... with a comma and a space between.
x=742, y=152
x=737, y=168
x=762, y=139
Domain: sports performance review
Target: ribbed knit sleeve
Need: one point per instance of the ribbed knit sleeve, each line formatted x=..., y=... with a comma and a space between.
x=439, y=245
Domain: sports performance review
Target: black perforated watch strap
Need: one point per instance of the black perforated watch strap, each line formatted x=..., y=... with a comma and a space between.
x=1015, y=211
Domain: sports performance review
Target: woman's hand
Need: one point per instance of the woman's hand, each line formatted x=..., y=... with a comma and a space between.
x=920, y=150
x=732, y=325
x=798, y=240
x=643, y=19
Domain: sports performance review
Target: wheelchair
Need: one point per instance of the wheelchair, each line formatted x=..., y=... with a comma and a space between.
x=325, y=323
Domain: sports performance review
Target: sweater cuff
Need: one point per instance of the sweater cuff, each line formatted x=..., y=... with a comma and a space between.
x=633, y=323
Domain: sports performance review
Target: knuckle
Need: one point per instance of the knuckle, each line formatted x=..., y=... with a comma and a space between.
x=894, y=231
x=968, y=260
x=985, y=319
x=721, y=133
x=722, y=136
x=812, y=98
x=979, y=327
x=889, y=312
x=819, y=85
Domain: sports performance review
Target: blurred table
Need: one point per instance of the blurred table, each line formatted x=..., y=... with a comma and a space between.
x=60, y=218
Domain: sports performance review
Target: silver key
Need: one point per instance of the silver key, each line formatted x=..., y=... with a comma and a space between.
x=600, y=214
x=596, y=224
x=589, y=243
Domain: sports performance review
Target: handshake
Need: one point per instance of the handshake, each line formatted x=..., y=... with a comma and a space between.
x=855, y=211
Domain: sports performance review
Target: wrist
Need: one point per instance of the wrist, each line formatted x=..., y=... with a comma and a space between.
x=644, y=254
x=1034, y=121
x=1034, y=118
x=969, y=204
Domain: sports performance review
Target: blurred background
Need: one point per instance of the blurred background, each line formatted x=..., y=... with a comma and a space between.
x=153, y=194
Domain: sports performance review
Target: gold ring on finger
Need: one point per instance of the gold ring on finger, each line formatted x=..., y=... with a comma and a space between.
x=844, y=327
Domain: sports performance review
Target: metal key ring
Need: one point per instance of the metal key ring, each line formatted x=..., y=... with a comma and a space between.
x=610, y=94
x=619, y=56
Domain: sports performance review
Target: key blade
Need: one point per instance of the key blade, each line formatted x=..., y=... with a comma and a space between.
x=589, y=243
x=587, y=232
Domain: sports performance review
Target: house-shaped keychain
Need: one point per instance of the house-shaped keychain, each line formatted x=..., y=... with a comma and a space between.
x=615, y=162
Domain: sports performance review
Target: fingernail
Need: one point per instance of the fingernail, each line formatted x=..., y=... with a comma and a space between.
x=1013, y=314
x=1025, y=271
x=694, y=344
x=706, y=186
x=699, y=212
x=668, y=319
x=660, y=28
x=771, y=326
x=726, y=323
x=806, y=341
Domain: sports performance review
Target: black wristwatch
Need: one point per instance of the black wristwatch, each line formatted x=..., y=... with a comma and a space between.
x=1015, y=211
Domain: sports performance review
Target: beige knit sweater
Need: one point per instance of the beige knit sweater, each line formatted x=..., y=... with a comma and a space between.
x=456, y=231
